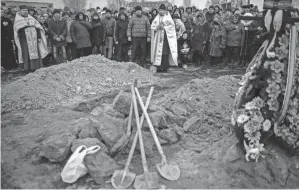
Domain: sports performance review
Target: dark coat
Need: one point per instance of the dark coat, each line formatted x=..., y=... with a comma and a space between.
x=217, y=42
x=201, y=34
x=121, y=29
x=235, y=34
x=80, y=32
x=57, y=28
x=98, y=33
x=8, y=60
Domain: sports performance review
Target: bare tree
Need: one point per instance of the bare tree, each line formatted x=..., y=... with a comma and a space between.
x=75, y=4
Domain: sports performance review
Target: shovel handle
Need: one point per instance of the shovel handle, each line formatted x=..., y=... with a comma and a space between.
x=151, y=127
x=130, y=120
x=131, y=112
x=136, y=135
x=144, y=163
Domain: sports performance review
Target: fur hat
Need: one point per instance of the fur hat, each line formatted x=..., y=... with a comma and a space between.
x=138, y=8
x=211, y=7
x=162, y=7
x=108, y=11
x=56, y=11
x=23, y=7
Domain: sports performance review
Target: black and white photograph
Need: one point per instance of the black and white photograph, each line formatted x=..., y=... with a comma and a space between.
x=149, y=94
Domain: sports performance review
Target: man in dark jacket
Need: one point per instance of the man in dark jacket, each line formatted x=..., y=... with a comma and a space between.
x=109, y=24
x=121, y=37
x=139, y=32
x=58, y=32
x=80, y=35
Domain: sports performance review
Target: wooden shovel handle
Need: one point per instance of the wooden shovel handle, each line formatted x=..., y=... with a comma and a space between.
x=136, y=135
x=144, y=163
x=151, y=127
x=129, y=127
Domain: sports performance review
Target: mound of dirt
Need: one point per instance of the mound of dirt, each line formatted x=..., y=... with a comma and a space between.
x=201, y=98
x=85, y=76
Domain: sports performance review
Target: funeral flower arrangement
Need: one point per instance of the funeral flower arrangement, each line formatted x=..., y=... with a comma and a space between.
x=260, y=98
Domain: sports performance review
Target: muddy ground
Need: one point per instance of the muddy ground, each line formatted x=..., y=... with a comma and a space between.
x=211, y=158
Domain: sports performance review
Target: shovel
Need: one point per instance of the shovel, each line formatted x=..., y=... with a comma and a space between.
x=170, y=172
x=147, y=180
x=122, y=179
x=123, y=141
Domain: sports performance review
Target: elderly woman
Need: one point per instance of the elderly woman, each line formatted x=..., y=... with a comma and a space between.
x=80, y=35
x=200, y=38
x=217, y=43
x=179, y=25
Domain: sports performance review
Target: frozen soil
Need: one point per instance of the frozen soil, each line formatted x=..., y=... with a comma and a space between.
x=209, y=156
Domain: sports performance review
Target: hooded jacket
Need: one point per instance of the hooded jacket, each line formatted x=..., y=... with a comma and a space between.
x=200, y=35
x=121, y=28
x=235, y=33
x=80, y=32
x=98, y=33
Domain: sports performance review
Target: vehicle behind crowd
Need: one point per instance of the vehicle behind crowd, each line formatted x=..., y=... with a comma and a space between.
x=206, y=38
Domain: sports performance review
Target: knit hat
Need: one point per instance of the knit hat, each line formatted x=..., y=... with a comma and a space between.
x=56, y=11
x=162, y=7
x=212, y=7
x=23, y=7
x=108, y=11
x=138, y=8
x=188, y=8
x=66, y=13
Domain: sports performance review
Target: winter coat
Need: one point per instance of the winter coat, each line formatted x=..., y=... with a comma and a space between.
x=57, y=28
x=139, y=27
x=257, y=37
x=109, y=26
x=121, y=28
x=98, y=32
x=235, y=34
x=188, y=24
x=200, y=34
x=80, y=32
x=179, y=28
x=217, y=42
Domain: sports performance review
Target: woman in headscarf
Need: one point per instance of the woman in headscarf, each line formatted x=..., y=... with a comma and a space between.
x=98, y=34
x=217, y=43
x=179, y=25
x=80, y=35
x=199, y=39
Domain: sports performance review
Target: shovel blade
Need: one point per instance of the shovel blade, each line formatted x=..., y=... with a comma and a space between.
x=140, y=182
x=168, y=171
x=117, y=182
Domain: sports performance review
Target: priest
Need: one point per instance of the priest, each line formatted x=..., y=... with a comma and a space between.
x=30, y=39
x=164, y=52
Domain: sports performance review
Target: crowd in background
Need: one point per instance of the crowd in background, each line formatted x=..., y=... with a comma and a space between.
x=204, y=37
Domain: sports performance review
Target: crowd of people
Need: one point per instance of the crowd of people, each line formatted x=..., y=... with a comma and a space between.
x=170, y=35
